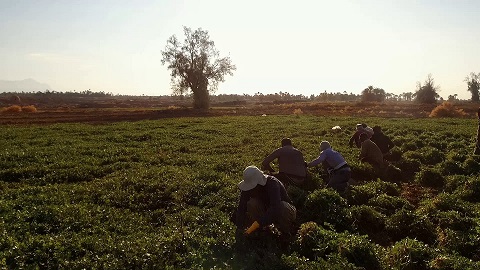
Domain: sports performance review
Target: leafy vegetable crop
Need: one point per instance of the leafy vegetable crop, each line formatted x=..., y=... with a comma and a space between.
x=160, y=195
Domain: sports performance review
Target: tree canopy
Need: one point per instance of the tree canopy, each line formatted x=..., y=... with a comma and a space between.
x=373, y=94
x=196, y=65
x=427, y=93
x=473, y=82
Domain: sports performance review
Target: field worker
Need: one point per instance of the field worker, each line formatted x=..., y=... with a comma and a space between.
x=477, y=146
x=360, y=129
x=371, y=153
x=382, y=141
x=263, y=201
x=291, y=164
x=337, y=168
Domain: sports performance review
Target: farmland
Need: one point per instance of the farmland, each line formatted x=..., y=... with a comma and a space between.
x=159, y=194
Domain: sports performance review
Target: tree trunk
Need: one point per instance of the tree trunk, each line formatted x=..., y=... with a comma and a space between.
x=201, y=100
x=475, y=97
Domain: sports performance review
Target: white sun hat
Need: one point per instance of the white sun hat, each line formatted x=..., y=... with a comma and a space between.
x=252, y=176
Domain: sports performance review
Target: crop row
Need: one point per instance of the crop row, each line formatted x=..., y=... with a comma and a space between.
x=159, y=194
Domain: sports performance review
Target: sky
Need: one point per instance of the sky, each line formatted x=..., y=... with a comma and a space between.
x=300, y=47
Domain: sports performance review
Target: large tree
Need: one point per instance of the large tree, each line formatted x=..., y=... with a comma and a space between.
x=373, y=94
x=427, y=93
x=473, y=82
x=196, y=65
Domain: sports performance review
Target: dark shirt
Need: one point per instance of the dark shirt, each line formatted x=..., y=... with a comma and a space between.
x=371, y=153
x=272, y=194
x=383, y=142
x=290, y=161
x=356, y=136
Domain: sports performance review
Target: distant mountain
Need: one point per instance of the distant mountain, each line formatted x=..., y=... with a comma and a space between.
x=27, y=85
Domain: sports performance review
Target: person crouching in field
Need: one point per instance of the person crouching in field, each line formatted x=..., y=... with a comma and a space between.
x=361, y=129
x=477, y=145
x=370, y=153
x=263, y=201
x=291, y=164
x=337, y=168
x=382, y=141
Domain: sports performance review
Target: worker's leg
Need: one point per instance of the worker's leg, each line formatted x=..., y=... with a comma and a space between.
x=255, y=209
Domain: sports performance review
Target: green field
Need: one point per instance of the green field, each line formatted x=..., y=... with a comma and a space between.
x=159, y=195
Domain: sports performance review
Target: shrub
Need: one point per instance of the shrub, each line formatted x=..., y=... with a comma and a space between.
x=446, y=109
x=392, y=174
x=409, y=254
x=409, y=167
x=297, y=112
x=449, y=167
x=29, y=109
x=395, y=154
x=465, y=243
x=359, y=251
x=455, y=221
x=419, y=142
x=437, y=143
x=357, y=195
x=446, y=202
x=452, y=262
x=389, y=204
x=313, y=241
x=430, y=177
x=452, y=182
x=426, y=155
x=302, y=263
x=297, y=195
x=327, y=206
x=471, y=166
x=12, y=109
x=406, y=223
x=367, y=220
x=409, y=146
x=457, y=152
x=470, y=190
x=363, y=172
x=431, y=155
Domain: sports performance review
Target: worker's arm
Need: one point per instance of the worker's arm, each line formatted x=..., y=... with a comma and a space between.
x=319, y=160
x=266, y=162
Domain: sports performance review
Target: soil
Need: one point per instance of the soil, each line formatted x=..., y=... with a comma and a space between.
x=99, y=112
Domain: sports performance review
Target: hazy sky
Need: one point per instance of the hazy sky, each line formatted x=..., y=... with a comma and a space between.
x=301, y=47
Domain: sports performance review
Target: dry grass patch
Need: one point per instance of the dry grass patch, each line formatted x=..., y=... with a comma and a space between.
x=446, y=109
x=12, y=109
x=29, y=109
x=18, y=109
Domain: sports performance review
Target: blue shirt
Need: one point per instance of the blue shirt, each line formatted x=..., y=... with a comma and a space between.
x=332, y=157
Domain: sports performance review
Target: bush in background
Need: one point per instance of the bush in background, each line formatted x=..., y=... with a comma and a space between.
x=19, y=109
x=12, y=109
x=446, y=109
x=29, y=109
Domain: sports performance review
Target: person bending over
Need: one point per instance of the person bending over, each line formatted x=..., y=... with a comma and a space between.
x=263, y=201
x=336, y=166
x=291, y=164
